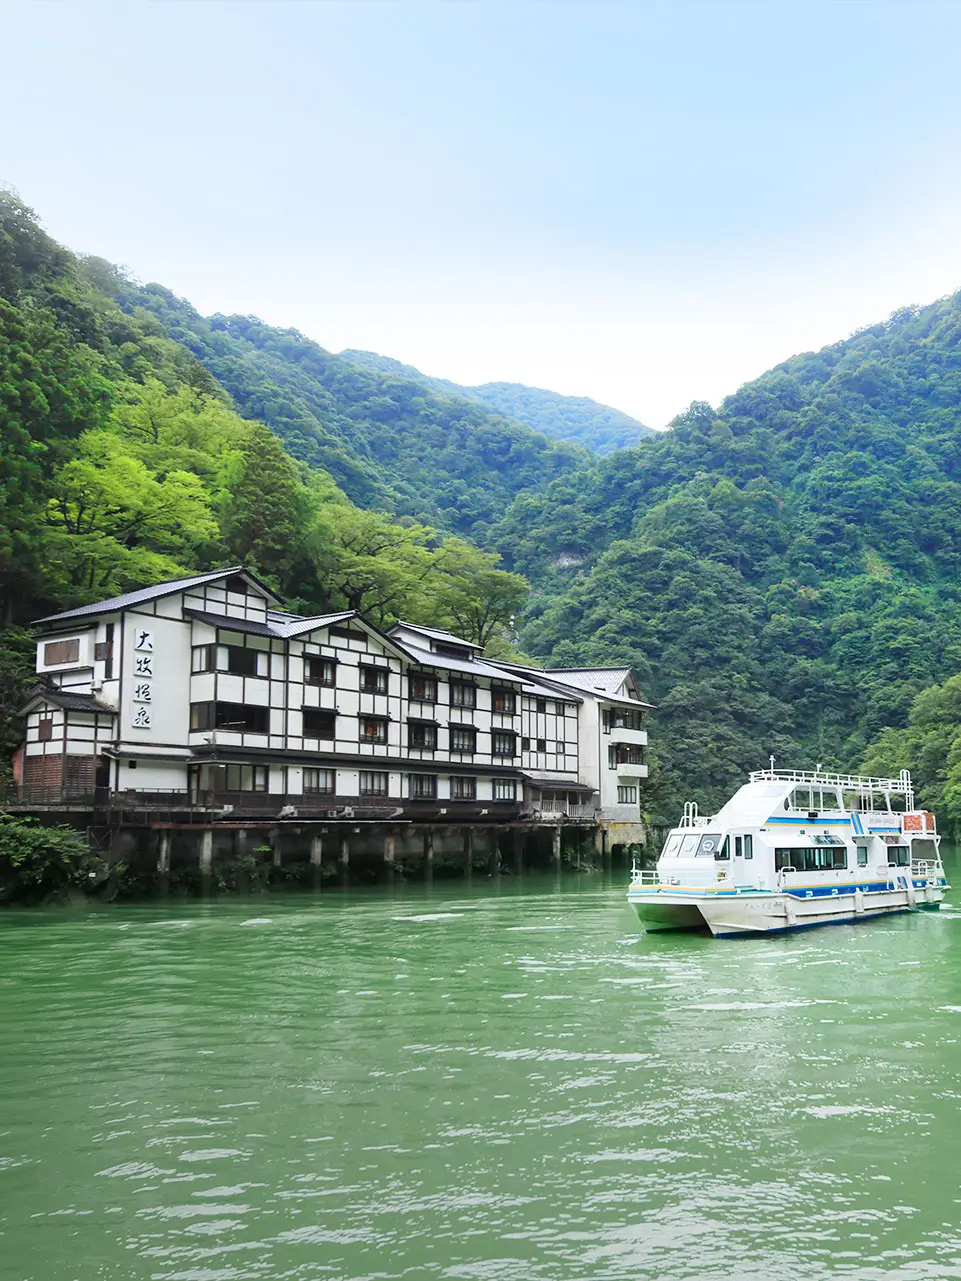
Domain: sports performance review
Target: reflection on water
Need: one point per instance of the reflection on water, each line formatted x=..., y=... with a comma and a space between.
x=505, y=1082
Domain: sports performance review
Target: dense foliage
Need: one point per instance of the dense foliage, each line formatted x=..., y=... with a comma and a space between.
x=125, y=462
x=783, y=572
x=388, y=441
x=576, y=419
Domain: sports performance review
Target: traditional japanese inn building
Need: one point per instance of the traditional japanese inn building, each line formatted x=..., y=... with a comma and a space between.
x=201, y=702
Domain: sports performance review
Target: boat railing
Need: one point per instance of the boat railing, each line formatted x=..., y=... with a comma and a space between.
x=924, y=868
x=849, y=782
x=644, y=875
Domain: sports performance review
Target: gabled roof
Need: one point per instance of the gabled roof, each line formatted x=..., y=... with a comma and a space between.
x=469, y=666
x=144, y=594
x=437, y=633
x=69, y=701
x=596, y=680
x=288, y=625
x=601, y=682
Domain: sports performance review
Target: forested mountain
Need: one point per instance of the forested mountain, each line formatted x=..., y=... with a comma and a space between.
x=575, y=419
x=783, y=572
x=387, y=440
x=125, y=462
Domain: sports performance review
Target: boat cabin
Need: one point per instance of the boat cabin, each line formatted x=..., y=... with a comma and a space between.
x=807, y=830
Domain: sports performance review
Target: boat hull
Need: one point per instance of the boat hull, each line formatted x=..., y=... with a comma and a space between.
x=733, y=913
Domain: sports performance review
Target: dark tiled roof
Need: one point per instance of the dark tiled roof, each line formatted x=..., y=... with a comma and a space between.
x=69, y=701
x=144, y=594
x=252, y=625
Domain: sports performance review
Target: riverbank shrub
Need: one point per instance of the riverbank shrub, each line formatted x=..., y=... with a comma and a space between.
x=39, y=863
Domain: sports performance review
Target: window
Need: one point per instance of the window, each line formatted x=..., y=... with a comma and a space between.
x=421, y=735
x=738, y=846
x=862, y=856
x=625, y=754
x=423, y=787
x=542, y=704
x=232, y=716
x=318, y=723
x=320, y=782
x=462, y=694
x=373, y=680
x=45, y=727
x=373, y=729
x=452, y=651
x=811, y=859
x=373, y=782
x=229, y=658
x=319, y=671
x=503, y=700
x=503, y=744
x=203, y=658
x=564, y=748
x=505, y=789
x=463, y=738
x=627, y=796
x=708, y=845
x=232, y=778
x=542, y=744
x=423, y=689
x=463, y=788
x=103, y=651
x=899, y=856
x=625, y=718
x=242, y=662
x=725, y=851
x=55, y=653
x=749, y=847
x=525, y=744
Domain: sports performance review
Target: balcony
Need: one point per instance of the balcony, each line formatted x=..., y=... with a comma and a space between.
x=557, y=807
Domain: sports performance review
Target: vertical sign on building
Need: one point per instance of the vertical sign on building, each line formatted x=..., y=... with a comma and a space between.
x=143, y=671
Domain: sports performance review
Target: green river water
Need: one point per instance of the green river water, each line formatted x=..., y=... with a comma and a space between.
x=499, y=1082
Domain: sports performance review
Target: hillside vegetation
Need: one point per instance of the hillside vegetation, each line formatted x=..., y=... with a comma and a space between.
x=125, y=462
x=575, y=419
x=783, y=572
x=387, y=440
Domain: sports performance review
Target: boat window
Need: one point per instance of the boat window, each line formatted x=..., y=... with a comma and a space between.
x=738, y=846
x=924, y=848
x=725, y=851
x=749, y=847
x=811, y=859
x=899, y=856
x=862, y=856
x=709, y=844
x=688, y=845
x=671, y=846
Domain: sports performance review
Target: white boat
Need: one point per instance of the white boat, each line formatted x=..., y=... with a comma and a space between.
x=791, y=850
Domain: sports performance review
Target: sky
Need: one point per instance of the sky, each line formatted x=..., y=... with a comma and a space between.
x=645, y=203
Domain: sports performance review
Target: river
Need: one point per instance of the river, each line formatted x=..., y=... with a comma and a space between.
x=491, y=1083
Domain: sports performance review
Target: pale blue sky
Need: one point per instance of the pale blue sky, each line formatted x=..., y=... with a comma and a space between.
x=646, y=203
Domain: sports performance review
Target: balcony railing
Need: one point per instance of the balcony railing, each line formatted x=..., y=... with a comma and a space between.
x=552, y=805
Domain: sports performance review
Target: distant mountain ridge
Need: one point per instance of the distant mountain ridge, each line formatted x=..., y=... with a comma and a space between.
x=575, y=419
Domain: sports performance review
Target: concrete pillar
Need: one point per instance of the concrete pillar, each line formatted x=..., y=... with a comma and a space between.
x=428, y=847
x=390, y=847
x=206, y=851
x=240, y=842
x=344, y=855
x=316, y=850
x=468, y=852
x=556, y=845
x=163, y=857
x=518, y=838
x=274, y=839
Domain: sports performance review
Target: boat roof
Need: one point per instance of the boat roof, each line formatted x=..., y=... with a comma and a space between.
x=767, y=790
